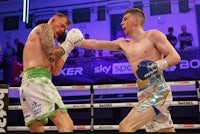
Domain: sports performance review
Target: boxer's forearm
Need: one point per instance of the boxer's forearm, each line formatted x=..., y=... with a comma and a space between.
x=57, y=66
x=99, y=44
x=55, y=54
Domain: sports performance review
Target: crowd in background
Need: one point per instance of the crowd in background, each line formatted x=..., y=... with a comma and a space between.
x=185, y=38
x=11, y=58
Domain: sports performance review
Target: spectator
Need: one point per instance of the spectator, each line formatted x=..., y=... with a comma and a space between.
x=185, y=38
x=8, y=58
x=74, y=53
x=20, y=48
x=171, y=38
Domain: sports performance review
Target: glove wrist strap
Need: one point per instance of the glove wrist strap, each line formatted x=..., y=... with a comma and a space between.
x=162, y=65
x=64, y=57
x=67, y=46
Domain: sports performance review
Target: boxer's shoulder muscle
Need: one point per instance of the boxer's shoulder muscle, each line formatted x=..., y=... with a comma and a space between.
x=45, y=34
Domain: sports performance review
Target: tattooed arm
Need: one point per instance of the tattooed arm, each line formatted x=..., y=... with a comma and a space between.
x=48, y=43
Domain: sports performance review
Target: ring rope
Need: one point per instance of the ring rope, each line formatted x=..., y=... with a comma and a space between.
x=75, y=87
x=111, y=86
x=98, y=127
x=111, y=105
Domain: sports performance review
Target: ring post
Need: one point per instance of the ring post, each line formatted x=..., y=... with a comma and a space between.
x=198, y=96
x=92, y=108
x=3, y=107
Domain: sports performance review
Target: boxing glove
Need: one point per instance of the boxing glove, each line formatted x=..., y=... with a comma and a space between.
x=74, y=38
x=147, y=68
x=62, y=37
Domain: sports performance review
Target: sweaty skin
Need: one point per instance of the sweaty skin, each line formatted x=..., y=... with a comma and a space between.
x=142, y=45
x=40, y=43
x=39, y=62
x=151, y=45
x=34, y=44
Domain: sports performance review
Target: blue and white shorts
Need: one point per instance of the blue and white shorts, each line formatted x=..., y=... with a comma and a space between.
x=155, y=92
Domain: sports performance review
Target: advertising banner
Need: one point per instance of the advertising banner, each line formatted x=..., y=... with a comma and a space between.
x=107, y=70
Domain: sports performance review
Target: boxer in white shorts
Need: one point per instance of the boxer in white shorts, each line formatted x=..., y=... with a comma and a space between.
x=41, y=58
x=38, y=96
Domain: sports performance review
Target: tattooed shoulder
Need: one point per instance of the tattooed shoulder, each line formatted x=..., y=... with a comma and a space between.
x=42, y=29
x=45, y=34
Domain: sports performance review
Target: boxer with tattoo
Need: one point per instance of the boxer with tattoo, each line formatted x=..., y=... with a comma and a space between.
x=39, y=97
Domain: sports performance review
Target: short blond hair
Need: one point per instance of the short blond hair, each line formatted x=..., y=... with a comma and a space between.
x=68, y=22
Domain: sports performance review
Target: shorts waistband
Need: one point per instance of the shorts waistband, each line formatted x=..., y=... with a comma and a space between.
x=142, y=84
x=37, y=72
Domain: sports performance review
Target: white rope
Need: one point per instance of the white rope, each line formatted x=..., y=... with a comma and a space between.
x=98, y=127
x=69, y=106
x=131, y=104
x=111, y=105
x=107, y=105
x=112, y=86
x=75, y=87
x=134, y=85
x=181, y=83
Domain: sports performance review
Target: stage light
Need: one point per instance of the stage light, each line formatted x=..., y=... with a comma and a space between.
x=25, y=11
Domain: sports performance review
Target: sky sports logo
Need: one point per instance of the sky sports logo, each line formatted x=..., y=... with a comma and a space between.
x=122, y=68
x=116, y=68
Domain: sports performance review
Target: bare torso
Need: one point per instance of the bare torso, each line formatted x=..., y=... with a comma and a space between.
x=34, y=55
x=142, y=49
x=148, y=45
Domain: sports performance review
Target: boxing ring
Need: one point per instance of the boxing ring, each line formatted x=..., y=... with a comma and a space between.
x=108, y=88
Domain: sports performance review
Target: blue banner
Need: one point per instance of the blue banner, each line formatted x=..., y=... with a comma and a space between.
x=187, y=69
x=107, y=70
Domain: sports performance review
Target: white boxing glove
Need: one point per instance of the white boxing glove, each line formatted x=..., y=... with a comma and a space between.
x=74, y=38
